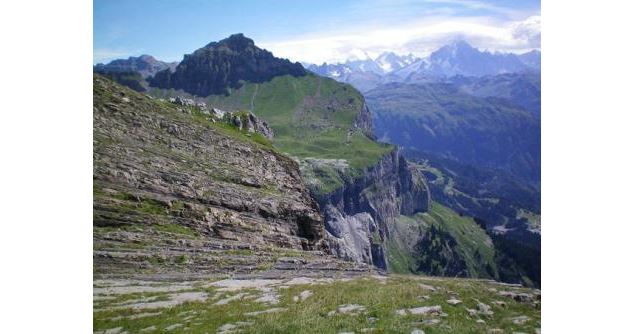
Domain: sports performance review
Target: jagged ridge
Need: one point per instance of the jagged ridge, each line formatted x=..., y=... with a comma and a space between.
x=221, y=66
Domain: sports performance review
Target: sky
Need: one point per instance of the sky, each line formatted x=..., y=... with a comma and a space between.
x=312, y=31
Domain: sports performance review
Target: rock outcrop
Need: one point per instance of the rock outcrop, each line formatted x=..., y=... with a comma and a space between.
x=242, y=120
x=364, y=121
x=247, y=121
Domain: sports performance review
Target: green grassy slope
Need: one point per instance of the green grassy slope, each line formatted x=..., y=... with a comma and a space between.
x=441, y=242
x=311, y=117
x=473, y=243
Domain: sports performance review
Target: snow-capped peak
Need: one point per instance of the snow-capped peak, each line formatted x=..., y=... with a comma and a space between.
x=390, y=61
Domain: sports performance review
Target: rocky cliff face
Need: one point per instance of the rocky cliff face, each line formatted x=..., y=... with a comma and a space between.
x=171, y=188
x=364, y=121
x=358, y=212
x=357, y=215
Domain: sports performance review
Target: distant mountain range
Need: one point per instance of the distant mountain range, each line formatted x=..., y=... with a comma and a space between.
x=460, y=58
x=455, y=59
x=521, y=89
x=364, y=74
x=489, y=132
x=383, y=64
x=145, y=65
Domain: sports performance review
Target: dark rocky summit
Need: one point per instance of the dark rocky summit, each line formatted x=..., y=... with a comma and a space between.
x=221, y=66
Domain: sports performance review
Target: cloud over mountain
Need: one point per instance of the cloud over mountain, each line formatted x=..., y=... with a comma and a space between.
x=419, y=38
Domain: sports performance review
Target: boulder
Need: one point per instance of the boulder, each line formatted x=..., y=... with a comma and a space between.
x=484, y=309
x=184, y=101
x=519, y=297
x=453, y=301
x=519, y=320
x=351, y=308
x=218, y=113
x=436, y=310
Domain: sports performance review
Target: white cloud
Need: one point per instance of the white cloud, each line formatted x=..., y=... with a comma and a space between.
x=420, y=38
x=473, y=4
x=528, y=31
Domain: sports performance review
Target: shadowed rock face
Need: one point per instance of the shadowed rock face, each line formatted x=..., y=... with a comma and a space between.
x=157, y=169
x=220, y=66
x=386, y=190
x=358, y=214
x=364, y=121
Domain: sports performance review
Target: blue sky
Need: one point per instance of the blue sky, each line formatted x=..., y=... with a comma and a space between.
x=313, y=31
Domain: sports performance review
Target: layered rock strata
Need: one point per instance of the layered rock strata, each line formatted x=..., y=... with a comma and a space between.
x=174, y=191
